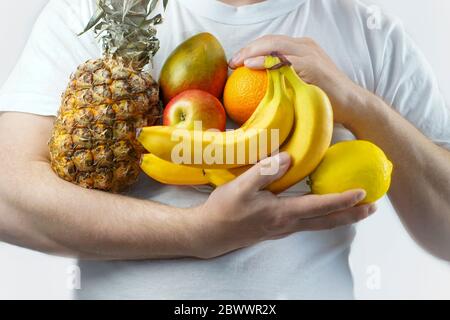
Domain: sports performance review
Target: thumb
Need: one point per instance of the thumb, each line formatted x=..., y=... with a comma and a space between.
x=264, y=173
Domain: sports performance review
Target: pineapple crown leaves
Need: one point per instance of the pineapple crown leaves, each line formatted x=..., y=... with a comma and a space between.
x=127, y=29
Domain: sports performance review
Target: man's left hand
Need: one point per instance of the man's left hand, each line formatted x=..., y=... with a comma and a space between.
x=312, y=64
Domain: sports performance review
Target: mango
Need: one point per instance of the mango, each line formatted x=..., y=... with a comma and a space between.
x=198, y=63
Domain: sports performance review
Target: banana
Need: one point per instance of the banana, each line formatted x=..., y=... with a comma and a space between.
x=259, y=137
x=309, y=140
x=218, y=177
x=307, y=143
x=312, y=134
x=169, y=173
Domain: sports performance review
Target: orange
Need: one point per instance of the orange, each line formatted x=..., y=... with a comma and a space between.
x=244, y=91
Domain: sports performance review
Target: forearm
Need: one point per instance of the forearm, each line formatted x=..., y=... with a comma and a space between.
x=42, y=212
x=421, y=180
x=420, y=188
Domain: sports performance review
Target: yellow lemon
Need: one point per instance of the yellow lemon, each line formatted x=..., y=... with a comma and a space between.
x=353, y=165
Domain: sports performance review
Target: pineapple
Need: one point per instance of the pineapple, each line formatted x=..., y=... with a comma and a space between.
x=93, y=143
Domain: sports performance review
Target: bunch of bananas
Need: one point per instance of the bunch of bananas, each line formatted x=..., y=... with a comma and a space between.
x=293, y=117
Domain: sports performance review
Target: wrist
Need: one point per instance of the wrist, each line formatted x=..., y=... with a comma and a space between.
x=361, y=106
x=179, y=234
x=198, y=230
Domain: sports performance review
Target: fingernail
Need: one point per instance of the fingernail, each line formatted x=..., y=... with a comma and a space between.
x=235, y=60
x=361, y=195
x=251, y=63
x=373, y=207
x=284, y=158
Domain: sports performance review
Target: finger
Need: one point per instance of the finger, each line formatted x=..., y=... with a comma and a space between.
x=336, y=220
x=313, y=206
x=264, y=173
x=349, y=216
x=297, y=62
x=258, y=63
x=263, y=47
x=300, y=63
x=305, y=41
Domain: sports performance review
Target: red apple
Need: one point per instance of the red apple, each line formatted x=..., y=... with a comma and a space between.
x=195, y=105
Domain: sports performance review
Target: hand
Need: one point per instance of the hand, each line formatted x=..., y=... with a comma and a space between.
x=241, y=214
x=312, y=64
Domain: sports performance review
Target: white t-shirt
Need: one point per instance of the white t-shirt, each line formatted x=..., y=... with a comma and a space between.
x=378, y=55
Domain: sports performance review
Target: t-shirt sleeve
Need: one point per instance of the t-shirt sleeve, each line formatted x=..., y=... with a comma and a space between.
x=52, y=53
x=406, y=81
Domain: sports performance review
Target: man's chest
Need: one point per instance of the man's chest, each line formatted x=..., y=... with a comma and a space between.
x=343, y=43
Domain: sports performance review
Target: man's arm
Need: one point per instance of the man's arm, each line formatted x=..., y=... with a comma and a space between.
x=421, y=181
x=420, y=190
x=40, y=211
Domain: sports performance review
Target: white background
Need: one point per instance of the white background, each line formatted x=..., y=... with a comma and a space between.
x=386, y=262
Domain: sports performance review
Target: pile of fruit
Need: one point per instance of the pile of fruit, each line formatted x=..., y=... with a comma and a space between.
x=283, y=108
x=105, y=130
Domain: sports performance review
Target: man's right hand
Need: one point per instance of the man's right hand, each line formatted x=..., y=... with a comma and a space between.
x=240, y=214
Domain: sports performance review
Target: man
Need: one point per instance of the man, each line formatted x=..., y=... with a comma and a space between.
x=238, y=242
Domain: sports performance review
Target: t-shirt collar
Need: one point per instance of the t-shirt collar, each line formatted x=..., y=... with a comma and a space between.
x=249, y=14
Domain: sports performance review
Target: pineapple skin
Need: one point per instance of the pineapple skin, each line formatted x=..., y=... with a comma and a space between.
x=93, y=142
